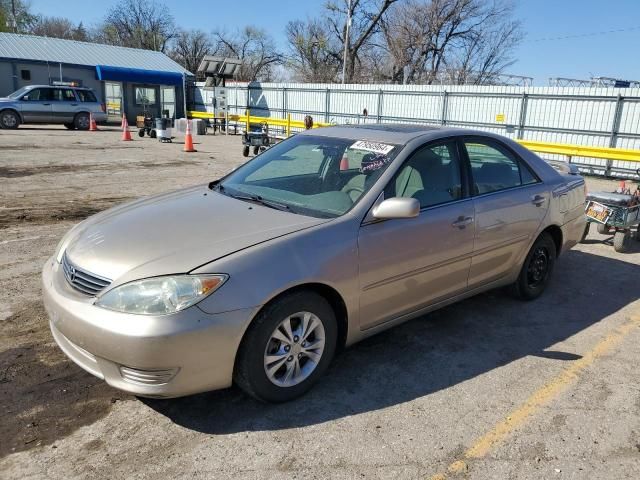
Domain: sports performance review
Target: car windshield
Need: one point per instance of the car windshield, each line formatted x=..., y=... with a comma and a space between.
x=18, y=93
x=311, y=175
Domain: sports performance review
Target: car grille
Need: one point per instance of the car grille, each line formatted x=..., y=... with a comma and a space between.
x=82, y=280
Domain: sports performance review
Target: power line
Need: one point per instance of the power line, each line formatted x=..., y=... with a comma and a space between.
x=582, y=35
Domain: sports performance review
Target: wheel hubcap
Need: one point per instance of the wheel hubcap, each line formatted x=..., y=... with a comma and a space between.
x=9, y=120
x=538, y=267
x=294, y=349
x=83, y=122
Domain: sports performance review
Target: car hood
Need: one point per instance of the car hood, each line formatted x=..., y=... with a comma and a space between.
x=174, y=233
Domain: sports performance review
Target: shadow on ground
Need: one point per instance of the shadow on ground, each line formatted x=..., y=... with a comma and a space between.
x=431, y=353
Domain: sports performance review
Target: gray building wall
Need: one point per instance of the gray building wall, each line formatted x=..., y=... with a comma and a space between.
x=43, y=74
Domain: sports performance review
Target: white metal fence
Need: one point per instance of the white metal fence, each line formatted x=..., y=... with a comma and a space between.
x=603, y=117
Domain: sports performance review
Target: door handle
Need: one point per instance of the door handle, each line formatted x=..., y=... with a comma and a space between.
x=74, y=104
x=46, y=104
x=462, y=222
x=538, y=200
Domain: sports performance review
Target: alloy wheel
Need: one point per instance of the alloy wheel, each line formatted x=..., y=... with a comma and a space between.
x=294, y=349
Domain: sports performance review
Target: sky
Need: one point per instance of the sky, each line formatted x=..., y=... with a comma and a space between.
x=564, y=38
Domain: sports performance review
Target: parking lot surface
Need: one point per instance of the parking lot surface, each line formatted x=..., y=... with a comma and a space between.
x=488, y=388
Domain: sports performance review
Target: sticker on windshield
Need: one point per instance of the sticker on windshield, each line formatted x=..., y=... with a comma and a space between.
x=372, y=147
x=375, y=163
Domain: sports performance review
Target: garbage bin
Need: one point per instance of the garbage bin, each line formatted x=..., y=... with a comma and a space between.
x=163, y=129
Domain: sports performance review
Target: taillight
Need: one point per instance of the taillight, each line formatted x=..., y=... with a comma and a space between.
x=103, y=107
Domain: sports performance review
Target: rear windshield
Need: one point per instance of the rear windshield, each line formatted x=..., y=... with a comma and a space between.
x=86, y=96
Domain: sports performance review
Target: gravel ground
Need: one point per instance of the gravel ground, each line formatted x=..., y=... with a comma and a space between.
x=487, y=388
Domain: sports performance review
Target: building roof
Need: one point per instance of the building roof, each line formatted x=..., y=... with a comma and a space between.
x=46, y=49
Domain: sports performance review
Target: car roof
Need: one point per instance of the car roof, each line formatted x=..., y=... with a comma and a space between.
x=58, y=86
x=394, y=133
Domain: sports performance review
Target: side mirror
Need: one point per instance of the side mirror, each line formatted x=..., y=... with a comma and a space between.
x=397, y=207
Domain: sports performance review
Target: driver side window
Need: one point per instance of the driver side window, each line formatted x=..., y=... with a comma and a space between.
x=37, y=95
x=431, y=175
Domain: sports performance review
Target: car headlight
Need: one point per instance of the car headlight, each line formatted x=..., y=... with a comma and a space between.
x=160, y=295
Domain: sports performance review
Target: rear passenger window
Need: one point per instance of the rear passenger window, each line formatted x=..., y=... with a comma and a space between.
x=431, y=175
x=86, y=96
x=494, y=168
x=63, y=95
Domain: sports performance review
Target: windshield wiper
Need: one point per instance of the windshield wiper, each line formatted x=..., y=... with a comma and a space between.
x=254, y=198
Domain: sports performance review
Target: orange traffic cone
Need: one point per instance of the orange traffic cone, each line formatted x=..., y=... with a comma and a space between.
x=188, y=139
x=92, y=123
x=344, y=163
x=126, y=135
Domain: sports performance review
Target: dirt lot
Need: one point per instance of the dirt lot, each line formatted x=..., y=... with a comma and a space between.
x=488, y=388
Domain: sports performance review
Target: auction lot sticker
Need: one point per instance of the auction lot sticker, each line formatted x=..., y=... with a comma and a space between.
x=372, y=147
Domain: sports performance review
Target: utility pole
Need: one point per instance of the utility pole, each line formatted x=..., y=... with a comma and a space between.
x=346, y=42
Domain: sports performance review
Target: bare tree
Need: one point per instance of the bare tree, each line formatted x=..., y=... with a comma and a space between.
x=366, y=17
x=311, y=52
x=426, y=39
x=189, y=47
x=16, y=16
x=59, y=27
x=254, y=47
x=138, y=24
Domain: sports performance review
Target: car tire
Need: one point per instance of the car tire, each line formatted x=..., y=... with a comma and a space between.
x=70, y=126
x=603, y=229
x=275, y=366
x=536, y=269
x=622, y=241
x=9, y=119
x=82, y=121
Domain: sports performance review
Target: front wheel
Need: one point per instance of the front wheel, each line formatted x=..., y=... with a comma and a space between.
x=622, y=241
x=287, y=348
x=536, y=270
x=9, y=119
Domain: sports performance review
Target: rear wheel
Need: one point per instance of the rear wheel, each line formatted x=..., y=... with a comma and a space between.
x=287, y=348
x=9, y=119
x=256, y=150
x=603, y=229
x=245, y=151
x=70, y=126
x=81, y=121
x=622, y=241
x=536, y=270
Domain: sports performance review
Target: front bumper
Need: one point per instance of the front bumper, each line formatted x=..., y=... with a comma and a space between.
x=155, y=356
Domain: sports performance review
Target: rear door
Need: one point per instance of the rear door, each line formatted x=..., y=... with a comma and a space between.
x=509, y=201
x=407, y=264
x=64, y=105
x=35, y=106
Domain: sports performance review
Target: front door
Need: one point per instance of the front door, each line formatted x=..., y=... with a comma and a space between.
x=510, y=203
x=113, y=100
x=35, y=106
x=407, y=264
